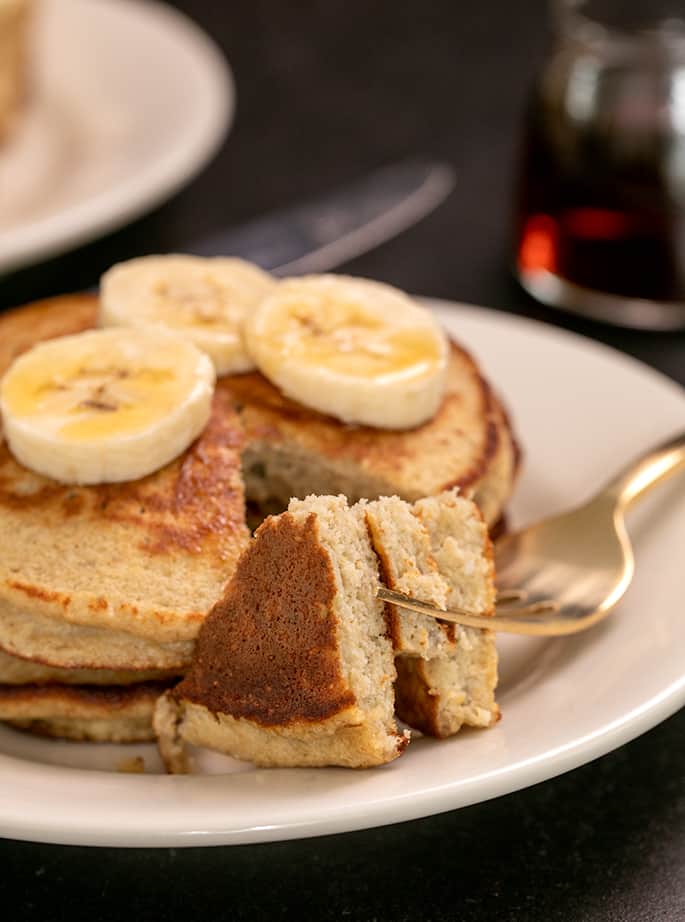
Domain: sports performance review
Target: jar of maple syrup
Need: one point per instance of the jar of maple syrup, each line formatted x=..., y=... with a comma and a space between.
x=600, y=224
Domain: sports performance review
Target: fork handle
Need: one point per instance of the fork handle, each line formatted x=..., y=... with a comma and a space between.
x=647, y=471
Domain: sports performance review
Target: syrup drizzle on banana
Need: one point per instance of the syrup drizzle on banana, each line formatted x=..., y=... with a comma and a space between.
x=105, y=406
x=351, y=348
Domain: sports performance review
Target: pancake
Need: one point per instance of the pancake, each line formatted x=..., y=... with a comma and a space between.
x=293, y=451
x=87, y=713
x=294, y=666
x=438, y=551
x=16, y=671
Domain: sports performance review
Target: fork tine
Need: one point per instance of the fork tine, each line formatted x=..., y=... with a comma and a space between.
x=521, y=620
x=504, y=596
x=535, y=608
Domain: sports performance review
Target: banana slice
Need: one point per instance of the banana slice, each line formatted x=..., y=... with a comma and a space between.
x=105, y=406
x=351, y=348
x=204, y=299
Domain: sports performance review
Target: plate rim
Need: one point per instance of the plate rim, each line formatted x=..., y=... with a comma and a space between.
x=583, y=340
x=338, y=818
x=130, y=197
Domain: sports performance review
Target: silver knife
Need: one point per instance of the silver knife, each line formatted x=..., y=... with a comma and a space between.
x=320, y=235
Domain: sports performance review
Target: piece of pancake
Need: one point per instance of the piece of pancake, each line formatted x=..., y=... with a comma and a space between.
x=441, y=694
x=438, y=551
x=97, y=713
x=407, y=565
x=117, y=576
x=260, y=686
x=294, y=666
x=294, y=451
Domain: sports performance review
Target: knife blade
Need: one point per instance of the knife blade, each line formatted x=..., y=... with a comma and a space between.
x=321, y=234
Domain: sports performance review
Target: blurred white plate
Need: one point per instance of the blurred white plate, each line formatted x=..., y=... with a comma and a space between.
x=127, y=101
x=582, y=411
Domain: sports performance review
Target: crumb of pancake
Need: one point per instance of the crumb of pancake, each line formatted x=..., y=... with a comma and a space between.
x=134, y=765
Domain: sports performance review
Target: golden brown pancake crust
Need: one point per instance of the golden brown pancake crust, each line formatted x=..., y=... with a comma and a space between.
x=109, y=698
x=83, y=712
x=25, y=326
x=18, y=670
x=268, y=651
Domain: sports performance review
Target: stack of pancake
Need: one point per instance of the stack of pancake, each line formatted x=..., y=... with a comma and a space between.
x=103, y=589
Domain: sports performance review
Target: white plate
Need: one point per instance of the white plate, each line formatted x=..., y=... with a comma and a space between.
x=582, y=410
x=127, y=101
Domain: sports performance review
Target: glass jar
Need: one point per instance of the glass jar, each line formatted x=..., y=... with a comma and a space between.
x=600, y=226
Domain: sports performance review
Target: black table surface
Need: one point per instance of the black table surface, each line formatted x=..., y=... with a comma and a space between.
x=327, y=91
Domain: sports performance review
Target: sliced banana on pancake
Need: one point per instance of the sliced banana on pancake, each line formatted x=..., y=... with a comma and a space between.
x=206, y=300
x=351, y=348
x=106, y=405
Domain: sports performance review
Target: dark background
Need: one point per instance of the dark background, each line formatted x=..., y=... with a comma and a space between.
x=327, y=91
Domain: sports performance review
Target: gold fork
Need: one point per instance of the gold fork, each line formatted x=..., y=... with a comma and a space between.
x=566, y=573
